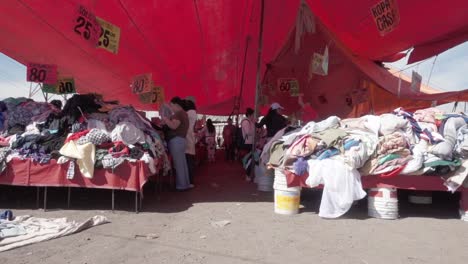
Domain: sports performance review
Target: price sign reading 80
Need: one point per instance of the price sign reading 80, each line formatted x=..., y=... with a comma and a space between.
x=66, y=86
x=142, y=83
x=63, y=86
x=41, y=73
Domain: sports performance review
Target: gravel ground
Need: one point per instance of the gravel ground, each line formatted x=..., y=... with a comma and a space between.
x=181, y=230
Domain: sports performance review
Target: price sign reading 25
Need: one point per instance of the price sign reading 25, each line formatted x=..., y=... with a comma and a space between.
x=110, y=36
x=41, y=73
x=86, y=25
x=142, y=83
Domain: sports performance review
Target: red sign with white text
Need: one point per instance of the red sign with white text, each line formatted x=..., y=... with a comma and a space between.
x=41, y=73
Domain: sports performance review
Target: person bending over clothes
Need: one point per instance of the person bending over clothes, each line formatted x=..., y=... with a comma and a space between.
x=178, y=125
x=273, y=121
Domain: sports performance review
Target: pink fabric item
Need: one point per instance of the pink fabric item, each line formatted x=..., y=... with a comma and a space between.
x=309, y=113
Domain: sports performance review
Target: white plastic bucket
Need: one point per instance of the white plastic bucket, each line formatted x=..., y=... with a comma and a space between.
x=263, y=179
x=383, y=203
x=287, y=202
x=265, y=184
x=280, y=182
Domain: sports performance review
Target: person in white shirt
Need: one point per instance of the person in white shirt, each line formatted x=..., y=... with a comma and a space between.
x=248, y=134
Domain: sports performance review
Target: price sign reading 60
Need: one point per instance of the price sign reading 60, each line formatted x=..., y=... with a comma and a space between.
x=288, y=85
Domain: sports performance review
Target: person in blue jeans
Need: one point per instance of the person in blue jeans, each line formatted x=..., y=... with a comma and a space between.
x=178, y=125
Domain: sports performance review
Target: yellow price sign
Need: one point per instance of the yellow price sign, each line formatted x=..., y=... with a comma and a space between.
x=148, y=98
x=110, y=36
x=160, y=99
x=63, y=86
x=289, y=85
x=142, y=83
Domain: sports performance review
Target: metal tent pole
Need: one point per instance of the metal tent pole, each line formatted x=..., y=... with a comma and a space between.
x=237, y=103
x=258, y=81
x=113, y=197
x=45, y=198
x=69, y=197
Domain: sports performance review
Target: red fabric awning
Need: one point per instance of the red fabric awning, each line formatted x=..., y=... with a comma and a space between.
x=197, y=47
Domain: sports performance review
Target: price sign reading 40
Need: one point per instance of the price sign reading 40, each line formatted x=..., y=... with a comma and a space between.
x=142, y=83
x=86, y=25
x=41, y=73
x=110, y=36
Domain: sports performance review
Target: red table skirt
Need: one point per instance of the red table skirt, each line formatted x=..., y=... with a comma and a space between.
x=407, y=182
x=128, y=176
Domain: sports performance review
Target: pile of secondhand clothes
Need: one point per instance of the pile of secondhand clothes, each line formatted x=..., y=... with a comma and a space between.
x=88, y=132
x=337, y=152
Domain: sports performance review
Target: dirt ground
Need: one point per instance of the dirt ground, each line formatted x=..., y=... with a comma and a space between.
x=182, y=224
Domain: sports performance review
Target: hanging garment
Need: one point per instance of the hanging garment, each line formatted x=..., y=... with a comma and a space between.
x=342, y=186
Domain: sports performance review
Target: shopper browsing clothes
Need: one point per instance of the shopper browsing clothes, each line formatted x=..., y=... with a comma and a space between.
x=209, y=133
x=307, y=112
x=178, y=125
x=248, y=134
x=229, y=131
x=274, y=120
x=190, y=151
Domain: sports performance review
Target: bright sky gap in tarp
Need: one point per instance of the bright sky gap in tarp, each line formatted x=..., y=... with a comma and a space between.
x=197, y=47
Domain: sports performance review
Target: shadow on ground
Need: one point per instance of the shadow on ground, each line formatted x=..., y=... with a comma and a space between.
x=215, y=183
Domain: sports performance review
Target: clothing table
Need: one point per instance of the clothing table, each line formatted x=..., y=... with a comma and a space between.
x=129, y=176
x=405, y=182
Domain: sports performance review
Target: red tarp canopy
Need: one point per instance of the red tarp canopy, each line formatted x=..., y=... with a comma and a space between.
x=197, y=47
x=353, y=85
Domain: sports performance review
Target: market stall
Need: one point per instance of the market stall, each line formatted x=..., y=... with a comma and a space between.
x=88, y=144
x=425, y=150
